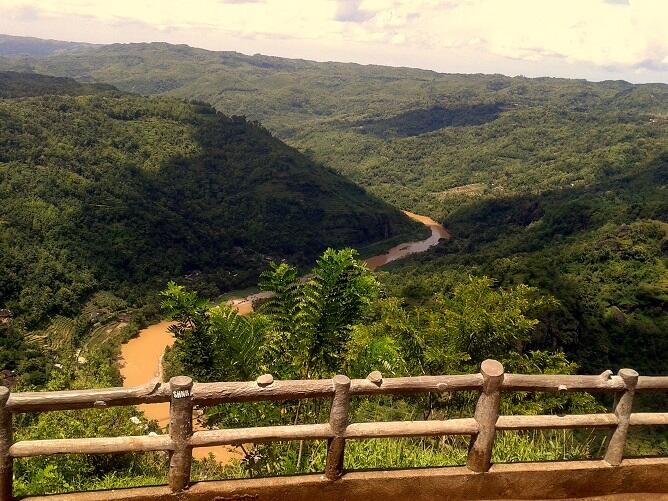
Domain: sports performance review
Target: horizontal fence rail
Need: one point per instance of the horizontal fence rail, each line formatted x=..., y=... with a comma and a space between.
x=183, y=394
x=238, y=392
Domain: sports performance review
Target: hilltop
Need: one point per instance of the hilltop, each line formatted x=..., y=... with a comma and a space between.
x=30, y=46
x=108, y=190
x=14, y=84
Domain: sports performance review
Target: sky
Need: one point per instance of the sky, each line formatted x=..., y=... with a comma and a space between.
x=592, y=39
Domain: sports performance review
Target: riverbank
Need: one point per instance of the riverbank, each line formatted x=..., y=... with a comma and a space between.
x=141, y=361
x=244, y=305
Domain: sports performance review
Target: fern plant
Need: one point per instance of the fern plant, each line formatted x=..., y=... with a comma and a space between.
x=311, y=318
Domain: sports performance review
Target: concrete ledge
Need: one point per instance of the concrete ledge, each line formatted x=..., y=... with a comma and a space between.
x=639, y=479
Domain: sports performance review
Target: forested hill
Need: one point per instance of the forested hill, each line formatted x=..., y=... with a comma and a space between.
x=113, y=191
x=421, y=140
x=531, y=175
x=14, y=84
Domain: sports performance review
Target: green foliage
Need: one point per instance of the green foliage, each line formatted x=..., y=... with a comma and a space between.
x=121, y=193
x=416, y=138
x=333, y=320
x=608, y=282
x=282, y=459
x=523, y=172
x=14, y=84
x=74, y=472
x=21, y=357
x=311, y=319
x=82, y=471
x=301, y=331
x=484, y=322
x=456, y=332
x=212, y=343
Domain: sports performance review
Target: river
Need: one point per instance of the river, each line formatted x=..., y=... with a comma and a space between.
x=141, y=357
x=400, y=251
x=245, y=305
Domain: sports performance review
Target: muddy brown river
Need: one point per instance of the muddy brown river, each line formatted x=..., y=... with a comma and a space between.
x=400, y=251
x=141, y=357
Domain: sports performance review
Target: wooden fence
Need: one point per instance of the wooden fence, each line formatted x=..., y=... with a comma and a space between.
x=183, y=394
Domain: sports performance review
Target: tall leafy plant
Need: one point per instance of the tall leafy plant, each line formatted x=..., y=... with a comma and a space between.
x=312, y=317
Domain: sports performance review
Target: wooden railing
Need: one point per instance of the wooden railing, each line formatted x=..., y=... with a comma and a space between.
x=183, y=394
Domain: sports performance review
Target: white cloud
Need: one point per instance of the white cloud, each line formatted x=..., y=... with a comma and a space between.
x=613, y=37
x=596, y=32
x=587, y=31
x=350, y=11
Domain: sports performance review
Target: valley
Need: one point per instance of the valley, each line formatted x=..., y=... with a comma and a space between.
x=527, y=172
x=123, y=179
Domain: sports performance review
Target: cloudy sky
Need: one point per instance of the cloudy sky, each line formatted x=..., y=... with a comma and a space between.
x=593, y=39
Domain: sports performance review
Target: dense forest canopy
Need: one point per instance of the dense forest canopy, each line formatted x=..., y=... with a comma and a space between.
x=105, y=190
x=340, y=318
x=14, y=84
x=420, y=139
x=528, y=174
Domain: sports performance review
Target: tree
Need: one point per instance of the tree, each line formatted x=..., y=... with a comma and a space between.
x=213, y=343
x=311, y=319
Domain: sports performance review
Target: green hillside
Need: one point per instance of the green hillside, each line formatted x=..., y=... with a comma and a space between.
x=14, y=84
x=530, y=175
x=416, y=138
x=601, y=250
x=120, y=192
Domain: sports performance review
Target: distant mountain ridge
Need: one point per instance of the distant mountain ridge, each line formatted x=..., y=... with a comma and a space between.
x=29, y=46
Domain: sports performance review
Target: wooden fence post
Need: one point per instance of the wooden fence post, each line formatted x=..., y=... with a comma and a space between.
x=486, y=414
x=180, y=431
x=338, y=420
x=6, y=462
x=623, y=407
